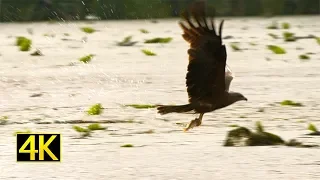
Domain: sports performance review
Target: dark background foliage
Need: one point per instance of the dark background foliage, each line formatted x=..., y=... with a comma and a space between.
x=36, y=10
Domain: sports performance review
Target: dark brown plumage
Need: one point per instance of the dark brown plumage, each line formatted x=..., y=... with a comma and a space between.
x=207, y=81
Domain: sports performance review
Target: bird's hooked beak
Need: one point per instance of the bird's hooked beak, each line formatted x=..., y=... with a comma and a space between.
x=244, y=98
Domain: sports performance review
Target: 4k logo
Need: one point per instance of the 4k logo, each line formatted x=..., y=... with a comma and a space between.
x=38, y=147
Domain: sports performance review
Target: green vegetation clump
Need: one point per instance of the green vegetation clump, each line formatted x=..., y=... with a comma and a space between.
x=144, y=31
x=148, y=52
x=290, y=103
x=96, y=126
x=159, y=40
x=23, y=43
x=242, y=136
x=86, y=59
x=285, y=25
x=289, y=37
x=141, y=106
x=276, y=49
x=304, y=57
x=127, y=42
x=88, y=30
x=235, y=47
x=314, y=130
x=127, y=145
x=95, y=109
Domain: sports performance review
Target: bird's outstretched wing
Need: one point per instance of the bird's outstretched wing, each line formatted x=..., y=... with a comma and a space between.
x=205, y=78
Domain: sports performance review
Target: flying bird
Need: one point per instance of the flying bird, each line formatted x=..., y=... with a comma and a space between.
x=208, y=78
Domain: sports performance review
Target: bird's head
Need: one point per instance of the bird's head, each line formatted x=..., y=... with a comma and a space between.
x=235, y=96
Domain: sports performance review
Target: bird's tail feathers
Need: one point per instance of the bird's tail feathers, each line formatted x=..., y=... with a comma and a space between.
x=165, y=109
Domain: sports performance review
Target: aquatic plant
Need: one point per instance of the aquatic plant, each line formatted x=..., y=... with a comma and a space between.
x=87, y=58
x=88, y=30
x=23, y=43
x=148, y=52
x=127, y=42
x=304, y=57
x=95, y=109
x=127, y=145
x=276, y=49
x=83, y=131
x=159, y=40
x=312, y=128
x=235, y=46
x=242, y=136
x=96, y=126
x=289, y=37
x=140, y=106
x=290, y=103
x=4, y=120
x=144, y=31
x=285, y=25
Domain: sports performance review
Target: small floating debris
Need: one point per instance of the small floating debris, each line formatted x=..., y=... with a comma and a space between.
x=290, y=103
x=274, y=36
x=304, y=57
x=148, y=52
x=95, y=109
x=274, y=25
x=86, y=59
x=88, y=30
x=127, y=146
x=83, y=131
x=276, y=49
x=314, y=130
x=4, y=120
x=144, y=31
x=235, y=46
x=36, y=95
x=37, y=53
x=285, y=25
x=289, y=37
x=127, y=42
x=158, y=40
x=95, y=127
x=141, y=106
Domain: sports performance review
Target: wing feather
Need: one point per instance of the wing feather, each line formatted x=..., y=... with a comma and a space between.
x=205, y=78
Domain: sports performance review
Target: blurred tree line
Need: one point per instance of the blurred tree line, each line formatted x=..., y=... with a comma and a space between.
x=36, y=10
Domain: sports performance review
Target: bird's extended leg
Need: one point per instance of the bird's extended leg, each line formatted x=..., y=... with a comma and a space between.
x=194, y=123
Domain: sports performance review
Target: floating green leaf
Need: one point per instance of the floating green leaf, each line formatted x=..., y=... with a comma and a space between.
x=285, y=25
x=288, y=36
x=96, y=126
x=276, y=49
x=304, y=57
x=127, y=42
x=88, y=30
x=141, y=106
x=148, y=52
x=290, y=103
x=235, y=47
x=312, y=128
x=159, y=40
x=95, y=109
x=127, y=145
x=144, y=31
x=86, y=59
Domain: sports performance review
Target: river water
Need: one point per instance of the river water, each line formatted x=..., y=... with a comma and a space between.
x=65, y=89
